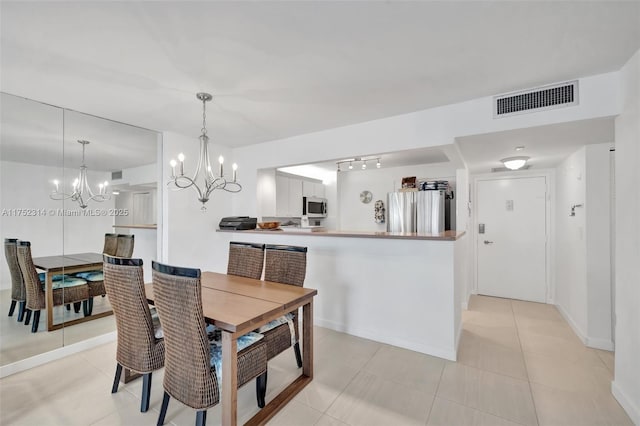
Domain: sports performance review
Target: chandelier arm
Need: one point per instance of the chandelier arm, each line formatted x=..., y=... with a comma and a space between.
x=234, y=187
x=192, y=184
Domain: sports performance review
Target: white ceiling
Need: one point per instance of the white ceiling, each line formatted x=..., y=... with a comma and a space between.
x=546, y=145
x=283, y=68
x=278, y=69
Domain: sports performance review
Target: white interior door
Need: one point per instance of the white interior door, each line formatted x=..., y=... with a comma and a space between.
x=512, y=249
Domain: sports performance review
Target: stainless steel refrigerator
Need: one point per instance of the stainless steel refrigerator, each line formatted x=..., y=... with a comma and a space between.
x=422, y=212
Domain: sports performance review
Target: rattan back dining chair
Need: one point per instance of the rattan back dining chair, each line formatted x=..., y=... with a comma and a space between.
x=190, y=375
x=110, y=244
x=286, y=265
x=140, y=342
x=18, y=292
x=67, y=289
x=246, y=259
x=125, y=245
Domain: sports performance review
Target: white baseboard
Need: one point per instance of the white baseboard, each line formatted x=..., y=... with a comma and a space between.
x=631, y=407
x=581, y=335
x=604, y=344
x=35, y=361
x=592, y=342
x=440, y=352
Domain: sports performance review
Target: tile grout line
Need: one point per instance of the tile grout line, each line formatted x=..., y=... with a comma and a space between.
x=435, y=393
x=349, y=383
x=533, y=401
x=491, y=372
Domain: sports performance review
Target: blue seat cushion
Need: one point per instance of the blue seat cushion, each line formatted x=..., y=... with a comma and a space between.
x=91, y=276
x=58, y=277
x=216, y=350
x=66, y=282
x=285, y=319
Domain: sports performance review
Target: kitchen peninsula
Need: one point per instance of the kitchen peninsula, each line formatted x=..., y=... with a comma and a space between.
x=406, y=290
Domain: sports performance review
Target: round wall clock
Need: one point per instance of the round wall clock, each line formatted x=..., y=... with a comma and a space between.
x=366, y=197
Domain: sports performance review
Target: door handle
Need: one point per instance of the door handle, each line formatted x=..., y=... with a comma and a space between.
x=488, y=242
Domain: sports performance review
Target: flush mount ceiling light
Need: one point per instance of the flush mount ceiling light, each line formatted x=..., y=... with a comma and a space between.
x=514, y=163
x=82, y=193
x=208, y=180
x=359, y=159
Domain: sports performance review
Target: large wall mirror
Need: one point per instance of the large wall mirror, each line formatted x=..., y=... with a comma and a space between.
x=41, y=157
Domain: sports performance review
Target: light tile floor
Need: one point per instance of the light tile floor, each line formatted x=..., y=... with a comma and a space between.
x=18, y=342
x=519, y=364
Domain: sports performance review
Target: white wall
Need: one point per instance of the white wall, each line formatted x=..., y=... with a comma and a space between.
x=571, y=256
x=354, y=215
x=464, y=247
x=583, y=272
x=27, y=186
x=626, y=386
x=598, y=251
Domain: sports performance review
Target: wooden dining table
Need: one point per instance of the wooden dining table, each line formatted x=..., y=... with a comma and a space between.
x=238, y=305
x=67, y=264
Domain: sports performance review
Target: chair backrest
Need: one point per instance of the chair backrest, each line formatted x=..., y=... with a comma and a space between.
x=188, y=376
x=124, y=282
x=125, y=245
x=246, y=259
x=18, y=291
x=33, y=288
x=285, y=264
x=110, y=244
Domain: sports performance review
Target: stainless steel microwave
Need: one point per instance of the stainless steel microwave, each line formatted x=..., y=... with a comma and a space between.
x=314, y=207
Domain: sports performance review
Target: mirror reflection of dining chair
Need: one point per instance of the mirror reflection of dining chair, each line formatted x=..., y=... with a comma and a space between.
x=18, y=292
x=67, y=289
x=125, y=245
x=193, y=364
x=110, y=244
x=286, y=265
x=246, y=259
x=140, y=336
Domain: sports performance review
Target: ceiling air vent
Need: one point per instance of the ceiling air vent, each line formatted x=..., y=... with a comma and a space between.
x=538, y=99
x=116, y=175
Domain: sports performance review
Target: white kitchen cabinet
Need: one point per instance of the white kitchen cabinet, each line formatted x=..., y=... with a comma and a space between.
x=288, y=196
x=312, y=189
x=282, y=195
x=295, y=197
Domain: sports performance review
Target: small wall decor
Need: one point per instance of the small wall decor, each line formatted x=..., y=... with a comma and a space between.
x=409, y=182
x=379, y=212
x=366, y=197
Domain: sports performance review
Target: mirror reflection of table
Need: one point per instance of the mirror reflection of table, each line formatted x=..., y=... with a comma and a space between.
x=67, y=264
x=238, y=305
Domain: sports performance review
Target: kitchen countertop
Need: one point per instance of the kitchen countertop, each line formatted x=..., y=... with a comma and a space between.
x=444, y=236
x=137, y=226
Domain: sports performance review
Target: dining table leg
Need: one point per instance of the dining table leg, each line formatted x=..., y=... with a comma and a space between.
x=307, y=340
x=229, y=379
x=49, y=299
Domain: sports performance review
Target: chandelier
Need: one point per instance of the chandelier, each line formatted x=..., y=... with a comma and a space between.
x=204, y=181
x=82, y=193
x=358, y=160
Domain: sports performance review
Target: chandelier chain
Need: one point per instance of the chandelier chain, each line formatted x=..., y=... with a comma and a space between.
x=204, y=117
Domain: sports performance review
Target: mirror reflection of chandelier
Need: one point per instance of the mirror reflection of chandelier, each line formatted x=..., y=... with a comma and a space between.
x=203, y=173
x=82, y=193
